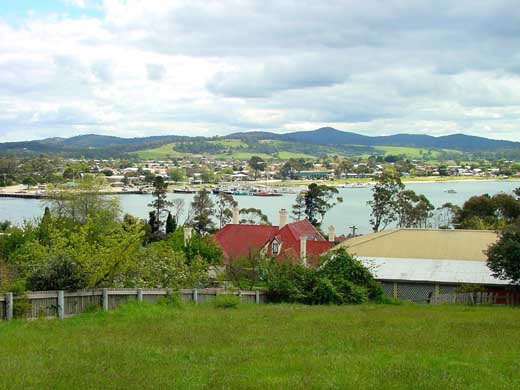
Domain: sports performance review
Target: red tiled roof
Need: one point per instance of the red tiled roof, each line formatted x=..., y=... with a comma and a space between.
x=239, y=240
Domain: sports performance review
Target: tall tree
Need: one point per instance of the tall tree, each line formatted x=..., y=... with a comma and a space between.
x=202, y=209
x=298, y=208
x=257, y=164
x=253, y=216
x=225, y=203
x=384, y=199
x=160, y=203
x=412, y=210
x=504, y=256
x=318, y=199
x=171, y=224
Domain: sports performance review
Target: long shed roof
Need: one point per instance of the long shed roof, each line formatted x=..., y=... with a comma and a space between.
x=436, y=244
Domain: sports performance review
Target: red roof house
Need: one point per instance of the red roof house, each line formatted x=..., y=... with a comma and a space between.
x=295, y=241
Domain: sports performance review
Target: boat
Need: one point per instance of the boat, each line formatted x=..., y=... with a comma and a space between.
x=266, y=193
x=450, y=191
x=185, y=190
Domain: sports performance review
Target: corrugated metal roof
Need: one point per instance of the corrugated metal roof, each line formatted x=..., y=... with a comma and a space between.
x=468, y=245
x=422, y=270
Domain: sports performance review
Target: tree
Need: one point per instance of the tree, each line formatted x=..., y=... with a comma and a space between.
x=503, y=257
x=488, y=212
x=445, y=215
x=160, y=203
x=318, y=199
x=76, y=204
x=202, y=209
x=177, y=174
x=171, y=223
x=516, y=191
x=29, y=182
x=253, y=216
x=412, y=210
x=298, y=208
x=384, y=198
x=225, y=203
x=257, y=164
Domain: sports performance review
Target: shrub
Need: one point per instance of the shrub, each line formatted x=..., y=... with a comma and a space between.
x=173, y=299
x=226, y=301
x=340, y=279
x=21, y=307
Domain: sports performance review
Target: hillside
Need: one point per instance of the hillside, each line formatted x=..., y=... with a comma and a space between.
x=316, y=143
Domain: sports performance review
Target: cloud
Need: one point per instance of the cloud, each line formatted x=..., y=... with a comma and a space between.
x=156, y=72
x=140, y=67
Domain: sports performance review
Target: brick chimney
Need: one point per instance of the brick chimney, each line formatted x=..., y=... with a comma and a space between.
x=187, y=235
x=283, y=218
x=303, y=250
x=236, y=215
x=332, y=233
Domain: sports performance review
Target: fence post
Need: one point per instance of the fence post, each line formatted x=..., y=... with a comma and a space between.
x=9, y=302
x=257, y=296
x=395, y=290
x=140, y=294
x=195, y=295
x=61, y=304
x=105, y=299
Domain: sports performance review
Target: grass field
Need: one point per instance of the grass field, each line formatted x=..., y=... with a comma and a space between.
x=409, y=152
x=268, y=346
x=231, y=143
x=163, y=152
x=243, y=155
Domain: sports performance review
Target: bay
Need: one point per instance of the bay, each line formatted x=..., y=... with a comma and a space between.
x=353, y=210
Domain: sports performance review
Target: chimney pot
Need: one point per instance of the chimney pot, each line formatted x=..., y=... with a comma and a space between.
x=236, y=215
x=332, y=233
x=303, y=250
x=283, y=218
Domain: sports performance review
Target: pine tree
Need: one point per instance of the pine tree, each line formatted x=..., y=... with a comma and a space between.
x=160, y=203
x=171, y=223
x=202, y=212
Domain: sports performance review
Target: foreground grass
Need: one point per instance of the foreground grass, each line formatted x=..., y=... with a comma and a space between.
x=271, y=346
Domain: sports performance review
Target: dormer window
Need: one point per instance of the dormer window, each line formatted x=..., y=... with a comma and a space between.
x=276, y=247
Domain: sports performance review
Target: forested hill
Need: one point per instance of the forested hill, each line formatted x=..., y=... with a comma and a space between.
x=322, y=141
x=331, y=136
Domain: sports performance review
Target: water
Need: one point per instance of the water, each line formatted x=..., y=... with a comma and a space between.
x=353, y=210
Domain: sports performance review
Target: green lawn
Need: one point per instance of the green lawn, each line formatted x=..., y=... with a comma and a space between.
x=243, y=155
x=266, y=346
x=164, y=151
x=232, y=143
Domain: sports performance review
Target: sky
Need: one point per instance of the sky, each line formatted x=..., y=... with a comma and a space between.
x=150, y=67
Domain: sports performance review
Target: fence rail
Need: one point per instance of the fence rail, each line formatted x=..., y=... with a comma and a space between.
x=63, y=304
x=478, y=298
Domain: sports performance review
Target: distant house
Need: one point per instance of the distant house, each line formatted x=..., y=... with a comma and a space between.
x=294, y=241
x=414, y=264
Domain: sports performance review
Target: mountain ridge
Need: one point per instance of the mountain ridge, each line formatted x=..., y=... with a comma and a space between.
x=98, y=144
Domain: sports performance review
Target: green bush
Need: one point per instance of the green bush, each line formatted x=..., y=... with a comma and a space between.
x=173, y=299
x=226, y=301
x=21, y=307
x=340, y=279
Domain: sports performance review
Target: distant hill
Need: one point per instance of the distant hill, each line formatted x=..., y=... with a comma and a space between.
x=323, y=141
x=331, y=136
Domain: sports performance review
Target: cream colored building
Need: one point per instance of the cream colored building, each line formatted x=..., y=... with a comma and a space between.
x=417, y=263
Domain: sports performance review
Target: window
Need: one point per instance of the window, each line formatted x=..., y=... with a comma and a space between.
x=276, y=247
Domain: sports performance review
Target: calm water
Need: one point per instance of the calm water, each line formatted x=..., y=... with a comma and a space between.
x=353, y=210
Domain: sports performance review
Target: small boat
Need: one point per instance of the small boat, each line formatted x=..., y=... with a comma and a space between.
x=266, y=193
x=185, y=190
x=450, y=191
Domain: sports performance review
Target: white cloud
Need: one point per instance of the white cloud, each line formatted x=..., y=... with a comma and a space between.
x=205, y=67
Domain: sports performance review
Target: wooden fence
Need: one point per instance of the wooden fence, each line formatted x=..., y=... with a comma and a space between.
x=63, y=304
x=478, y=298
